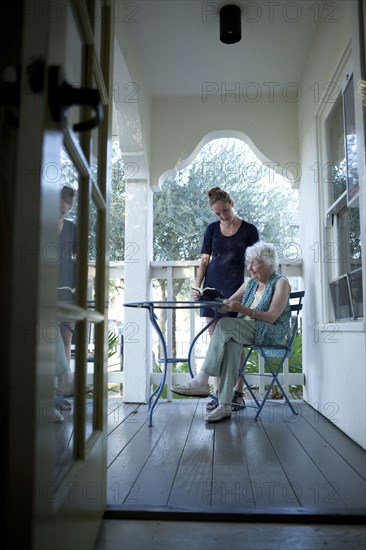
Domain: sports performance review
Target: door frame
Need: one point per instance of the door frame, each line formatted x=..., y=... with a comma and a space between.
x=29, y=279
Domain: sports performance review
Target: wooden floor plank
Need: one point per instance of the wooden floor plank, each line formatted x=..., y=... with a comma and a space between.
x=124, y=431
x=157, y=477
x=230, y=475
x=341, y=478
x=123, y=472
x=117, y=411
x=195, y=467
x=307, y=480
x=269, y=483
x=351, y=451
x=231, y=481
x=182, y=464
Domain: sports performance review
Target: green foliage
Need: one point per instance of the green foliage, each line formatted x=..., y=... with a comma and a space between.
x=117, y=207
x=113, y=341
x=180, y=216
x=295, y=364
x=295, y=360
x=114, y=388
x=252, y=363
x=181, y=211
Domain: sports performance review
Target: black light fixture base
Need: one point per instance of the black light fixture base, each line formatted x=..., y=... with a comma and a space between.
x=230, y=24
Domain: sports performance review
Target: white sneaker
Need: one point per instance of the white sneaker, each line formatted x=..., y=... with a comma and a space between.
x=222, y=412
x=53, y=415
x=186, y=389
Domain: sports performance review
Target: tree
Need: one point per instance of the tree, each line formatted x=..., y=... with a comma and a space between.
x=117, y=207
x=181, y=211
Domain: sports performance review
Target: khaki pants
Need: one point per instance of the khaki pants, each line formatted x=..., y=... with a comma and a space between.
x=225, y=351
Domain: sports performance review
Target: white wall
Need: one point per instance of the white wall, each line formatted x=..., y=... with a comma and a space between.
x=334, y=362
x=179, y=124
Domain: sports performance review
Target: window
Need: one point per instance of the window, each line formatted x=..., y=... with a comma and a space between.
x=336, y=154
x=344, y=263
x=341, y=298
x=350, y=141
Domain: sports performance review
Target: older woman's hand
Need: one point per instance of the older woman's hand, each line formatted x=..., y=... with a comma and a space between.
x=223, y=308
x=233, y=305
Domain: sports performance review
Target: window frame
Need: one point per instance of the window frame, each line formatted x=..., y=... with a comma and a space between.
x=334, y=248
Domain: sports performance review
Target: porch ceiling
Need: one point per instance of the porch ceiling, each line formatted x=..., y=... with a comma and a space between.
x=178, y=45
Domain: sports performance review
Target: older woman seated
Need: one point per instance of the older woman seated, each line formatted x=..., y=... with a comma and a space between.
x=264, y=314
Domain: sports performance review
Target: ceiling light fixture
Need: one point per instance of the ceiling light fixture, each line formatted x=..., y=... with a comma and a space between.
x=230, y=24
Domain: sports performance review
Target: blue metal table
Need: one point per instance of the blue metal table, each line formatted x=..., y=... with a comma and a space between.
x=151, y=306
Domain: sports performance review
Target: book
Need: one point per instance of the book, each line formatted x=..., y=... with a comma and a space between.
x=209, y=294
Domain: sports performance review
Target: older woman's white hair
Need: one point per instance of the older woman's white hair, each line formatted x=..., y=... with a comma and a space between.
x=263, y=252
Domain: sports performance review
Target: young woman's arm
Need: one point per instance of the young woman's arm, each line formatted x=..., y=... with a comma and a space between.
x=202, y=268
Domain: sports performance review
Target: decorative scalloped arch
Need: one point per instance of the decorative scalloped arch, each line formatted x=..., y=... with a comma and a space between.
x=219, y=134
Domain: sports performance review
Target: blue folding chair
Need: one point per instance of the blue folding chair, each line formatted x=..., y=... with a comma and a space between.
x=279, y=352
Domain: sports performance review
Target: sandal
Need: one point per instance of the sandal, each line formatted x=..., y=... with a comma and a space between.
x=61, y=403
x=235, y=406
x=212, y=405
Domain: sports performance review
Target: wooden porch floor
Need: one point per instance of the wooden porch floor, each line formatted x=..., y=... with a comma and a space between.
x=280, y=466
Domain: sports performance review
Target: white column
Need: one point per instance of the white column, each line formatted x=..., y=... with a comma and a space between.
x=138, y=255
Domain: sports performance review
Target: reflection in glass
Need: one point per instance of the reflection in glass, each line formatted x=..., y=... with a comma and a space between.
x=355, y=283
x=92, y=252
x=340, y=298
x=94, y=142
x=67, y=231
x=65, y=354
x=67, y=242
x=89, y=382
x=351, y=140
x=64, y=402
x=336, y=151
x=349, y=230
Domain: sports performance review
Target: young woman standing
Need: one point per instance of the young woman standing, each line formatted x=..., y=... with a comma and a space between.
x=222, y=262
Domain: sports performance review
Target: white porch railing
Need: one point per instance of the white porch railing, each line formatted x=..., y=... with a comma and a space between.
x=171, y=271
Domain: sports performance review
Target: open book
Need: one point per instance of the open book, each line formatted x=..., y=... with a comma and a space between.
x=209, y=294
